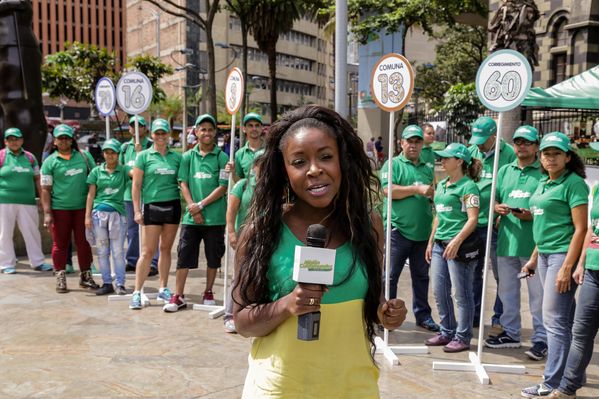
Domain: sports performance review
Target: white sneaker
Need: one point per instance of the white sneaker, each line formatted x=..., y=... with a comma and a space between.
x=230, y=326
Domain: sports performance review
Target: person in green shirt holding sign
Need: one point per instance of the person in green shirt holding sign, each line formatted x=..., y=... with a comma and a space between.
x=244, y=157
x=155, y=186
x=105, y=216
x=484, y=135
x=454, y=246
x=203, y=185
x=19, y=178
x=411, y=219
x=64, y=191
x=515, y=184
x=129, y=151
x=560, y=207
x=586, y=322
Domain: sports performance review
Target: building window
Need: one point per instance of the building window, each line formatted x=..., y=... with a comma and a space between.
x=559, y=67
x=558, y=55
x=560, y=35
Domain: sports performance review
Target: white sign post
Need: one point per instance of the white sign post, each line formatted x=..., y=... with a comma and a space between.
x=391, y=85
x=233, y=97
x=105, y=97
x=133, y=95
x=502, y=83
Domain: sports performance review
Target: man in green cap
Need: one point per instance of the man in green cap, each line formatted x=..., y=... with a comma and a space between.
x=428, y=155
x=203, y=185
x=244, y=157
x=484, y=134
x=516, y=182
x=129, y=151
x=411, y=221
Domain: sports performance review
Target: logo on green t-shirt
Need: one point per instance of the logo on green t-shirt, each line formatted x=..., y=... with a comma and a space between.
x=164, y=171
x=73, y=172
x=519, y=194
x=202, y=175
x=443, y=208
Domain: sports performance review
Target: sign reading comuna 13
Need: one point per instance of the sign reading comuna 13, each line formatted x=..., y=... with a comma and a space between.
x=503, y=80
x=105, y=96
x=392, y=82
x=134, y=93
x=234, y=91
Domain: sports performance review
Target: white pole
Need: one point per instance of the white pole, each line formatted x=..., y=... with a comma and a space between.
x=481, y=327
x=389, y=199
x=107, y=119
x=136, y=143
x=229, y=186
x=341, y=57
x=183, y=138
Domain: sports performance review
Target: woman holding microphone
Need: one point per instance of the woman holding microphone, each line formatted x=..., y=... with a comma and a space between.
x=453, y=247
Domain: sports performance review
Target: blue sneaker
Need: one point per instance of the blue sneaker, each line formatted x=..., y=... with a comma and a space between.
x=44, y=267
x=69, y=269
x=430, y=325
x=164, y=294
x=136, y=301
x=536, y=391
x=9, y=270
x=93, y=269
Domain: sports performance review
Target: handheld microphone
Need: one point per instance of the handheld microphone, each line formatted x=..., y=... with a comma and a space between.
x=308, y=327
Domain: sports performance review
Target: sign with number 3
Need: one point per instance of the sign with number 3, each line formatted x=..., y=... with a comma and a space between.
x=392, y=82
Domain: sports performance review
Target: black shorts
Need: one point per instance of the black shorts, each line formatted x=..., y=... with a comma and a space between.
x=188, y=250
x=159, y=213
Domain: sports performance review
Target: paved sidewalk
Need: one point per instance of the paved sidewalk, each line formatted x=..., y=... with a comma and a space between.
x=78, y=345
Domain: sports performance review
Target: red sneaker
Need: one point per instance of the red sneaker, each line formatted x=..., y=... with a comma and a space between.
x=209, y=298
x=176, y=303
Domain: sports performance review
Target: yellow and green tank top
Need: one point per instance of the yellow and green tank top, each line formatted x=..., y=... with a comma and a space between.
x=338, y=365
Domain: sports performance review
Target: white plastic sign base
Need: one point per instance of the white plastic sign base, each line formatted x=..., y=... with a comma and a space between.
x=479, y=368
x=215, y=311
x=390, y=352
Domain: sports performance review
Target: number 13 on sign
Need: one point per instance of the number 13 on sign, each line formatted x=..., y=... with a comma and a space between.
x=392, y=82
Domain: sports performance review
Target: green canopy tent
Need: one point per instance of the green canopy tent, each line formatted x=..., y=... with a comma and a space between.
x=578, y=92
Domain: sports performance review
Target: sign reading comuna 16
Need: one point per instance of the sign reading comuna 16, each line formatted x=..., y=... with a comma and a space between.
x=503, y=80
x=234, y=91
x=134, y=93
x=392, y=82
x=105, y=96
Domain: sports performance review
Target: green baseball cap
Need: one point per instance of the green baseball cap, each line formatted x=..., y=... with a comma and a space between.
x=63, y=130
x=140, y=120
x=557, y=140
x=527, y=132
x=252, y=116
x=594, y=145
x=412, y=131
x=482, y=129
x=205, y=118
x=13, y=132
x=113, y=145
x=160, y=124
x=456, y=150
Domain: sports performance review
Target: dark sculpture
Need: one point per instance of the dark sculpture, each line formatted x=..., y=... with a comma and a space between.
x=512, y=27
x=20, y=75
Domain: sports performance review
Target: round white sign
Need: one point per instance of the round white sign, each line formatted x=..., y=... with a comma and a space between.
x=134, y=93
x=392, y=82
x=234, y=91
x=503, y=80
x=105, y=96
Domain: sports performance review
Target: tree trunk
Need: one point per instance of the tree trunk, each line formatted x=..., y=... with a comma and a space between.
x=211, y=90
x=244, y=65
x=272, y=70
x=511, y=122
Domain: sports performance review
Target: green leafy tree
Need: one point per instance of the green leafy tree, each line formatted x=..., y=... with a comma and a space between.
x=154, y=70
x=74, y=72
x=170, y=108
x=461, y=50
x=462, y=107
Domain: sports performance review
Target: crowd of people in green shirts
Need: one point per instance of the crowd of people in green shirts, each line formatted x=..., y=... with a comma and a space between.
x=540, y=235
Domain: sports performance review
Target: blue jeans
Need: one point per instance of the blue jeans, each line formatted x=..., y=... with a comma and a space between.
x=401, y=250
x=132, y=254
x=558, y=317
x=445, y=274
x=110, y=240
x=508, y=289
x=586, y=324
x=478, y=276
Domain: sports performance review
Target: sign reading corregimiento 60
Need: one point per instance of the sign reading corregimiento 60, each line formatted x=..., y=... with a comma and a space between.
x=134, y=93
x=503, y=80
x=234, y=90
x=392, y=82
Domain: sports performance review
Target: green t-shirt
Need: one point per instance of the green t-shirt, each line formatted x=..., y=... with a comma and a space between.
x=244, y=190
x=514, y=188
x=451, y=204
x=203, y=175
x=68, y=179
x=592, y=259
x=160, y=175
x=551, y=206
x=109, y=186
x=17, y=185
x=506, y=155
x=244, y=160
x=427, y=156
x=127, y=158
x=412, y=215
